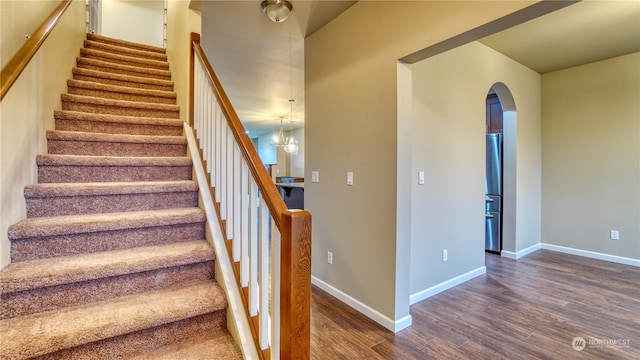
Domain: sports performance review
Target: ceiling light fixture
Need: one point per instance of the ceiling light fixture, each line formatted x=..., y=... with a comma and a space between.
x=288, y=143
x=277, y=10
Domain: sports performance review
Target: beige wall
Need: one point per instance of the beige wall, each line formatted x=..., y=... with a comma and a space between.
x=16, y=26
x=181, y=22
x=140, y=21
x=447, y=134
x=591, y=157
x=351, y=125
x=296, y=162
x=26, y=111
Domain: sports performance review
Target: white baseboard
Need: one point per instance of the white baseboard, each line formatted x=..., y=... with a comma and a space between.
x=392, y=325
x=426, y=293
x=521, y=253
x=592, y=254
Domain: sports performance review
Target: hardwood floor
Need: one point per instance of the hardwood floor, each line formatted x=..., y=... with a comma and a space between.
x=531, y=308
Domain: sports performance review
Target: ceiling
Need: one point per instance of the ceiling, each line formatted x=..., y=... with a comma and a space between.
x=261, y=63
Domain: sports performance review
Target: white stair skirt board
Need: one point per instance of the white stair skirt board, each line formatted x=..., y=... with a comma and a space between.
x=592, y=254
x=240, y=325
x=445, y=285
x=390, y=324
x=521, y=253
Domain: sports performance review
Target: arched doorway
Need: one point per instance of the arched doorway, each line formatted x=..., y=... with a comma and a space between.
x=500, y=180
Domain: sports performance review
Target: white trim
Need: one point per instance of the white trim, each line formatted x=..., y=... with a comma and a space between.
x=366, y=310
x=521, y=253
x=445, y=285
x=592, y=254
x=236, y=307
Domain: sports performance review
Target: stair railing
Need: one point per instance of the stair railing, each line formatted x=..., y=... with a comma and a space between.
x=268, y=244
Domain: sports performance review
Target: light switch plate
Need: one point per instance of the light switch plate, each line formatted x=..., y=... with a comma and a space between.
x=349, y=178
x=315, y=176
x=420, y=177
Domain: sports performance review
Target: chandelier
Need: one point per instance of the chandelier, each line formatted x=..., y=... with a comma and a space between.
x=280, y=139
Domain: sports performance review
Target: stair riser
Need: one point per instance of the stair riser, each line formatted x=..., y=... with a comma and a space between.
x=95, y=148
x=130, y=61
x=127, y=44
x=119, y=110
x=124, y=72
x=120, y=50
x=121, y=96
x=84, y=243
x=57, y=297
x=78, y=174
x=117, y=128
x=144, y=340
x=95, y=204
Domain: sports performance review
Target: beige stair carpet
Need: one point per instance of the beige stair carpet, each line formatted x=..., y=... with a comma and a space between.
x=111, y=261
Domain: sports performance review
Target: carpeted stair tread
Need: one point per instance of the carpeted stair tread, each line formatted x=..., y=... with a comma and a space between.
x=107, y=188
x=91, y=223
x=57, y=199
x=40, y=334
x=114, y=138
x=124, y=59
x=84, y=121
x=119, y=107
x=78, y=160
x=96, y=144
x=218, y=345
x=124, y=43
x=100, y=65
x=123, y=50
x=89, y=88
x=104, y=77
x=32, y=274
x=82, y=169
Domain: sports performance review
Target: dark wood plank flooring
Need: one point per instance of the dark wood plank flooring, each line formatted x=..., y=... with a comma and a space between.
x=531, y=308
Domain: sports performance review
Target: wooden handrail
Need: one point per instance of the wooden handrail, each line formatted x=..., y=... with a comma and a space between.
x=294, y=227
x=14, y=67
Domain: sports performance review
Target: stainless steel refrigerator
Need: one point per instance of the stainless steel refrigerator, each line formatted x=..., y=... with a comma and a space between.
x=493, y=193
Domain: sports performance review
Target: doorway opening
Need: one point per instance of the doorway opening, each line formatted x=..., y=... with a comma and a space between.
x=500, y=169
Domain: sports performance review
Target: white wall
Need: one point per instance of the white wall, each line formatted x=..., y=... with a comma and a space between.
x=591, y=157
x=140, y=21
x=448, y=137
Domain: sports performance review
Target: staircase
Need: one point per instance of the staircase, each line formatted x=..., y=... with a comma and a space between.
x=112, y=260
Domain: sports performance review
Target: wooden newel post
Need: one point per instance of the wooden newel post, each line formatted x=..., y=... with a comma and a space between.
x=295, y=284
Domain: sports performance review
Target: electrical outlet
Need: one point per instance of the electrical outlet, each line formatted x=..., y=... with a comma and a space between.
x=420, y=177
x=329, y=258
x=445, y=255
x=615, y=235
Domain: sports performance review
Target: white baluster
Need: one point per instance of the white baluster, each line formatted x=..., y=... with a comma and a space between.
x=237, y=196
x=275, y=292
x=245, y=205
x=265, y=224
x=223, y=171
x=253, y=247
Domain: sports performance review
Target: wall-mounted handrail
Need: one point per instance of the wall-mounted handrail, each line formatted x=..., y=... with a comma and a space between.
x=14, y=67
x=270, y=245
